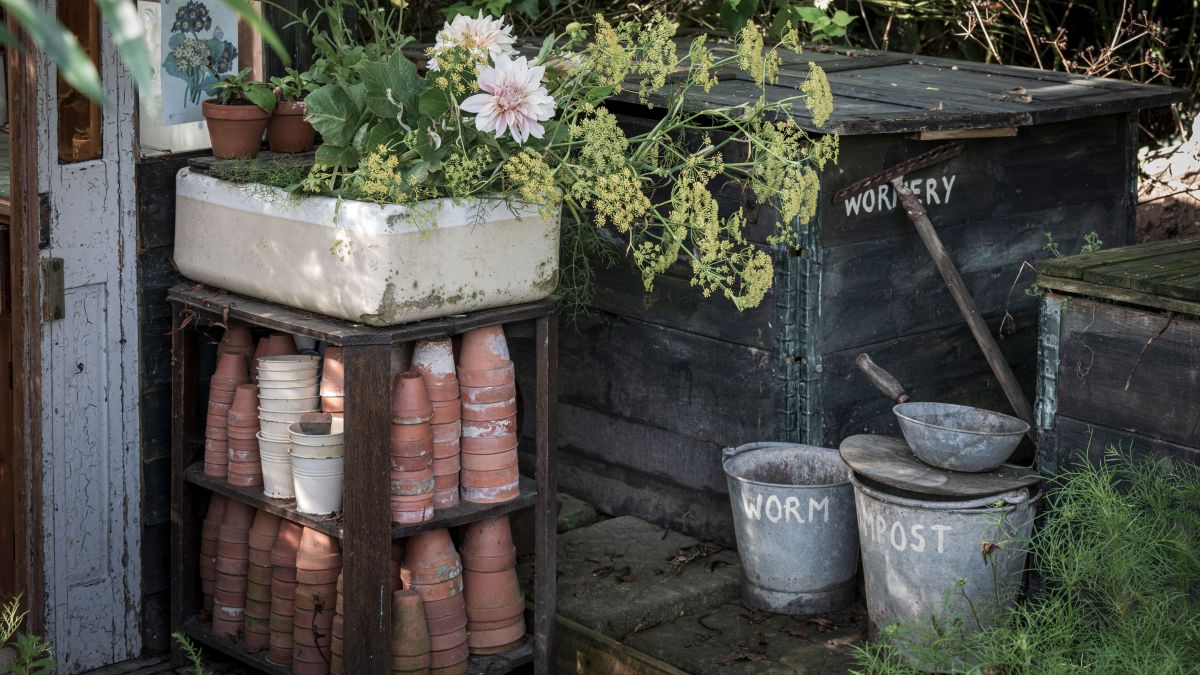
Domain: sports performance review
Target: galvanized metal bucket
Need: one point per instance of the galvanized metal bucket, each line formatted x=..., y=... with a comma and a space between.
x=793, y=514
x=954, y=562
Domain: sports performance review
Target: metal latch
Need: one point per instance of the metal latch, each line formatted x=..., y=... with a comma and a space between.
x=53, y=291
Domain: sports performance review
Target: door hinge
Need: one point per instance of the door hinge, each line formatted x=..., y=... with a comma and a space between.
x=53, y=291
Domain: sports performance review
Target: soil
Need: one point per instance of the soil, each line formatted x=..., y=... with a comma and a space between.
x=1169, y=191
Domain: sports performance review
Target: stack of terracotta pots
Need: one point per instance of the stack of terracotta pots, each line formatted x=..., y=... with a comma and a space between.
x=276, y=344
x=433, y=360
x=318, y=564
x=208, y=549
x=411, y=450
x=277, y=374
x=237, y=340
x=487, y=383
x=244, y=469
x=495, y=608
x=283, y=591
x=233, y=559
x=258, y=581
x=333, y=381
x=433, y=569
x=410, y=634
x=231, y=373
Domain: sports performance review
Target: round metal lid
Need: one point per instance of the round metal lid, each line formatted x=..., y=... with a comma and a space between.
x=887, y=460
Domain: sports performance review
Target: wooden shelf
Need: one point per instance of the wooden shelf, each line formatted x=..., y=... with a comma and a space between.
x=462, y=514
x=215, y=305
x=201, y=631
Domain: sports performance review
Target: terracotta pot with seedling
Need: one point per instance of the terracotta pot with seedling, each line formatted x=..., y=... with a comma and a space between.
x=238, y=116
x=288, y=131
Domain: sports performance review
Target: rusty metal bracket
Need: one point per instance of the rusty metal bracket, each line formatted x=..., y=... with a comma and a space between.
x=921, y=161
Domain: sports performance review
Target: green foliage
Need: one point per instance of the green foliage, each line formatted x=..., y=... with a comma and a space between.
x=238, y=89
x=1118, y=551
x=33, y=653
x=820, y=25
x=293, y=86
x=194, y=655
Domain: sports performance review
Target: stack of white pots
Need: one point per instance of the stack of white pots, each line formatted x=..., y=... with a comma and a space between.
x=318, y=468
x=287, y=389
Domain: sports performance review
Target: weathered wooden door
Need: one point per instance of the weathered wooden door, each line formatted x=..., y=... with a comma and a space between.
x=90, y=453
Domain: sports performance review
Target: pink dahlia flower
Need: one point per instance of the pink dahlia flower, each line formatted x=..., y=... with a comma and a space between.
x=484, y=36
x=514, y=99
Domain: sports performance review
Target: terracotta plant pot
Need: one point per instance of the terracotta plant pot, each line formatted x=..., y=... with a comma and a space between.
x=420, y=432
x=447, y=625
x=496, y=377
x=318, y=551
x=235, y=131
x=318, y=577
x=237, y=340
x=410, y=401
x=489, y=412
x=264, y=530
x=406, y=484
x=446, y=412
x=440, y=643
x=491, y=639
x=455, y=604
x=418, y=464
x=333, y=372
x=440, y=590
x=490, y=495
x=231, y=368
x=447, y=433
x=238, y=516
x=490, y=591
x=485, y=446
x=489, y=537
x=450, y=658
x=433, y=360
x=284, y=574
x=502, y=392
x=496, y=462
x=314, y=597
x=483, y=349
x=447, y=450
x=489, y=479
x=445, y=467
x=410, y=635
x=287, y=131
x=287, y=542
x=260, y=573
x=406, y=516
x=495, y=625
x=429, y=550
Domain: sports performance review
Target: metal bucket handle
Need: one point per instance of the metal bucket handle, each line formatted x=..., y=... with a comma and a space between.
x=1013, y=497
x=762, y=445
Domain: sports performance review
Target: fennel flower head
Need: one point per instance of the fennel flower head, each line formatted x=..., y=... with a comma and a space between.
x=513, y=99
x=485, y=37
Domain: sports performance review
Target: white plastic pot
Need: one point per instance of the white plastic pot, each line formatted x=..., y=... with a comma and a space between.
x=274, y=424
x=276, y=468
x=378, y=265
x=305, y=404
x=318, y=484
x=288, y=390
x=293, y=376
x=318, y=440
x=288, y=362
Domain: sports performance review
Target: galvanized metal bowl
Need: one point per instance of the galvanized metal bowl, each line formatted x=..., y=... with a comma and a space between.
x=959, y=437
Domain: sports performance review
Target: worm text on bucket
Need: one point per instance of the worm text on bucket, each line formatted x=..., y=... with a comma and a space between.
x=883, y=198
x=785, y=510
x=916, y=537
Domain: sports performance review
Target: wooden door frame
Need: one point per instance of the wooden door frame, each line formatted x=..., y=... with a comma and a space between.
x=25, y=284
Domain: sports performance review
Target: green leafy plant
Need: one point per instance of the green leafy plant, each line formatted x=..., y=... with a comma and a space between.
x=1118, y=552
x=194, y=655
x=239, y=89
x=483, y=123
x=33, y=654
x=821, y=24
x=293, y=86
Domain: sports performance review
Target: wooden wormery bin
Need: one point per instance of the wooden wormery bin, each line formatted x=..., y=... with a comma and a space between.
x=1119, y=354
x=654, y=386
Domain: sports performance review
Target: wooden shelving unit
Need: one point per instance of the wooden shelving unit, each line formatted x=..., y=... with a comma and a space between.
x=364, y=526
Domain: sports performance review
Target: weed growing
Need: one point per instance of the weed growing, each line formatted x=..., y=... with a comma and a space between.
x=33, y=654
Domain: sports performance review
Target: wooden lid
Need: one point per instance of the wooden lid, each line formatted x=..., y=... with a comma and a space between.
x=887, y=460
x=1160, y=274
x=876, y=92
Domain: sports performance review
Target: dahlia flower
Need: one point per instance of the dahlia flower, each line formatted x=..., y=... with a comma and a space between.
x=484, y=37
x=514, y=99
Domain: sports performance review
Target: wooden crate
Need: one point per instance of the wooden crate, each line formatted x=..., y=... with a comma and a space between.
x=654, y=386
x=1120, y=354
x=364, y=528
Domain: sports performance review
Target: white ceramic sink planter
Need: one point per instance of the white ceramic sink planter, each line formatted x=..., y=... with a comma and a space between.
x=363, y=262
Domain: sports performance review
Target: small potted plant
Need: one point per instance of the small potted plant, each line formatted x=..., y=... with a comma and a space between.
x=288, y=131
x=238, y=115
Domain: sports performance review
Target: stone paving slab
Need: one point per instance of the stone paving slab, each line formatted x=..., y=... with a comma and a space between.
x=733, y=640
x=623, y=575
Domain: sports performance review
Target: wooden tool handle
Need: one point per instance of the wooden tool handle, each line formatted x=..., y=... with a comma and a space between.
x=887, y=385
x=966, y=304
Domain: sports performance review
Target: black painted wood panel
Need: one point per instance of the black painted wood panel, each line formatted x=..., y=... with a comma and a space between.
x=1078, y=440
x=1130, y=369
